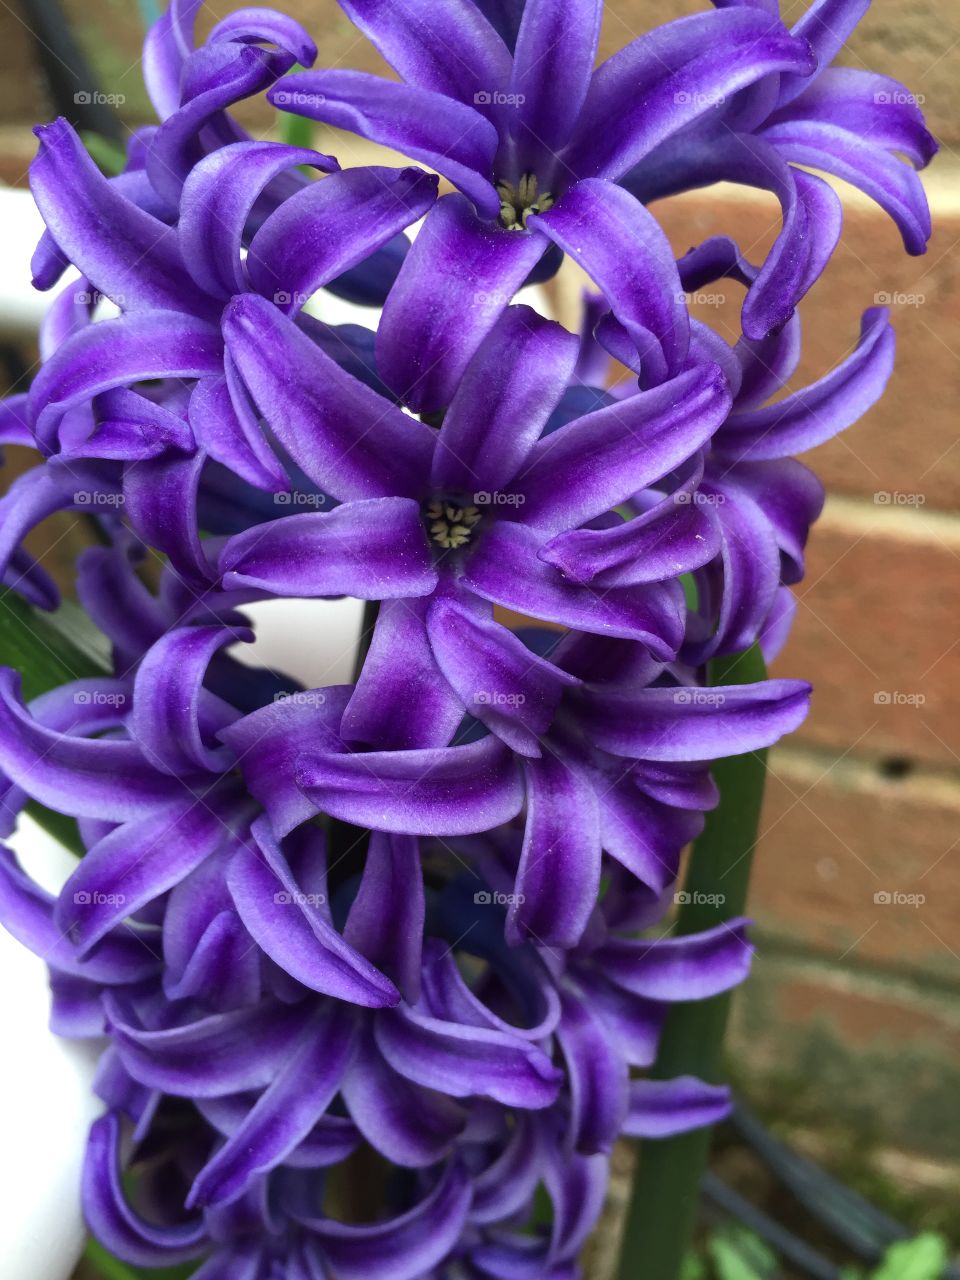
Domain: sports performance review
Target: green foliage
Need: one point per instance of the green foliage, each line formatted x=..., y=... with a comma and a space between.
x=106, y=1267
x=738, y=1254
x=49, y=650
x=733, y=1252
x=108, y=157
x=922, y=1258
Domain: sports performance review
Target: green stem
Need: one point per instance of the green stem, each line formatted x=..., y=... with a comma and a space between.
x=666, y=1190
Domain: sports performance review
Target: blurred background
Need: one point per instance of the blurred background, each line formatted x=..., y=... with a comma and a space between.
x=847, y=1036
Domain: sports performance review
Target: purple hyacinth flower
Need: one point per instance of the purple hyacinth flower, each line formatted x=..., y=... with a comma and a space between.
x=433, y=521
x=171, y=283
x=615, y=761
x=519, y=130
x=864, y=128
x=750, y=501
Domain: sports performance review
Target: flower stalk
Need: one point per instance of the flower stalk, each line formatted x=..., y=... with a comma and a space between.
x=666, y=1191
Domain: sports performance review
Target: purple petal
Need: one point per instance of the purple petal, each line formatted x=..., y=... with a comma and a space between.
x=114, y=1223
x=598, y=1077
x=392, y=941
x=136, y=863
x=284, y=1114
x=449, y=136
x=215, y=77
x=403, y=1248
x=229, y=431
x=122, y=250
x=466, y=1061
x=446, y=45
x=874, y=107
x=269, y=741
x=346, y=438
x=673, y=537
x=160, y=501
x=222, y=970
x=114, y=353
x=556, y=46
x=26, y=912
x=819, y=411
x=165, y=50
x=694, y=966
x=663, y=1108
x=623, y=249
x=505, y=568
x=333, y=225
x=827, y=25
x=498, y=679
x=456, y=280
x=217, y=201
x=438, y=791
x=86, y=777
x=221, y=1054
x=504, y=1187
x=419, y=709
x=131, y=428
x=693, y=724
x=265, y=26
x=296, y=932
x=14, y=425
x=558, y=878
x=168, y=698
x=40, y=492
x=664, y=80
x=750, y=572
x=895, y=187
x=408, y=1124
x=505, y=399
x=374, y=550
x=594, y=463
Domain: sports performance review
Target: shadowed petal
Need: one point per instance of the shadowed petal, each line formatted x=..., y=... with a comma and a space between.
x=693, y=724
x=439, y=791
x=331, y=226
x=372, y=550
x=348, y=440
x=217, y=201
x=456, y=280
x=662, y=1108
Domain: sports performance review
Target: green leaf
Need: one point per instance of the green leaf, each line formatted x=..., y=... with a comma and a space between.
x=50, y=650
x=693, y=1267
x=738, y=1254
x=109, y=158
x=922, y=1258
x=666, y=1190
x=110, y=1268
x=296, y=131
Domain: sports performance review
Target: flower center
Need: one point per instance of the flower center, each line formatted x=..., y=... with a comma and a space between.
x=450, y=525
x=518, y=203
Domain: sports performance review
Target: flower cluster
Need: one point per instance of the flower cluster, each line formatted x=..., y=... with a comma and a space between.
x=381, y=965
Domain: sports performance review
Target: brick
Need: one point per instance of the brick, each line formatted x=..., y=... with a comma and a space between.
x=22, y=92
x=862, y=1059
x=910, y=40
x=877, y=630
x=836, y=833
